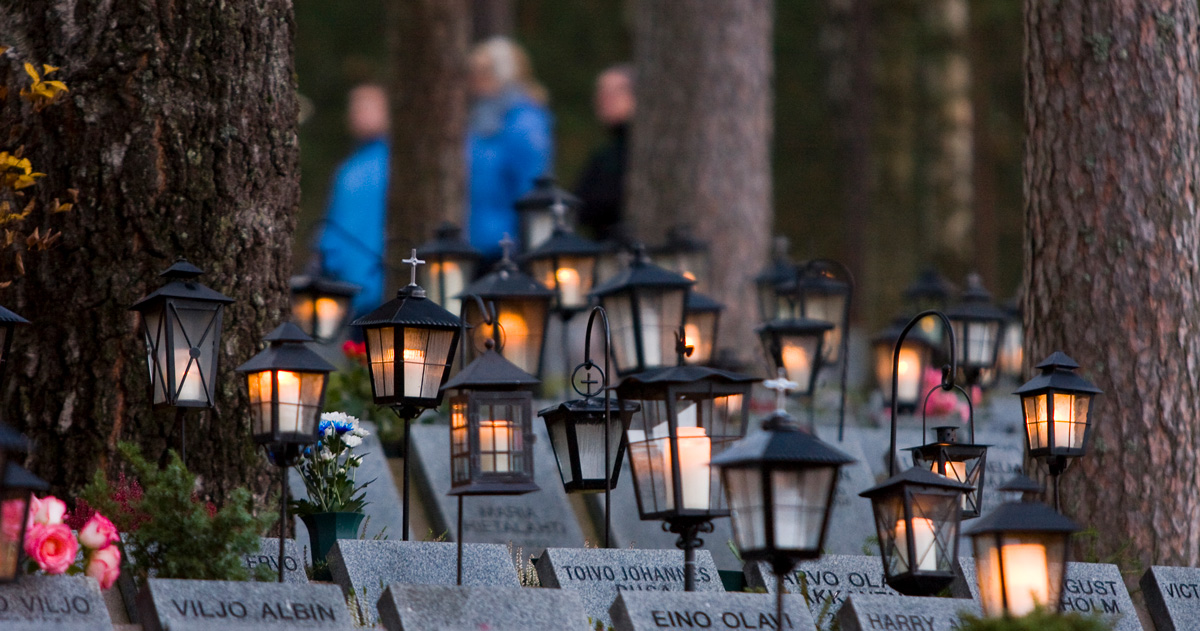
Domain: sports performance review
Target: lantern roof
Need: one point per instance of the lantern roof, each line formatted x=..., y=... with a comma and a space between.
x=684, y=374
x=642, y=273
x=410, y=307
x=930, y=284
x=7, y=316
x=544, y=194
x=975, y=303
x=286, y=350
x=18, y=477
x=780, y=270
x=564, y=242
x=490, y=371
x=591, y=405
x=506, y=281
x=781, y=442
x=11, y=440
x=1058, y=373
x=448, y=240
x=681, y=238
x=1020, y=484
x=1022, y=517
x=799, y=326
x=321, y=285
x=182, y=284
x=703, y=303
x=915, y=476
x=814, y=279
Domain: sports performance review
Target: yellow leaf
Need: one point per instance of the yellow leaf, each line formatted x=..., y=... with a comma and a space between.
x=3, y=49
x=47, y=69
x=20, y=265
x=32, y=239
x=28, y=208
x=32, y=72
x=58, y=86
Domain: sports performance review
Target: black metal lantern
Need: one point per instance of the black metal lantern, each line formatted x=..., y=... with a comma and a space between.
x=684, y=253
x=19, y=486
x=451, y=265
x=535, y=212
x=774, y=284
x=961, y=462
x=12, y=445
x=577, y=432
x=522, y=308
x=976, y=323
x=1011, y=360
x=688, y=415
x=321, y=306
x=1021, y=552
x=930, y=291
x=795, y=346
x=820, y=295
x=645, y=305
x=8, y=322
x=491, y=428
x=1058, y=412
x=181, y=322
x=916, y=355
x=700, y=326
x=566, y=263
x=287, y=390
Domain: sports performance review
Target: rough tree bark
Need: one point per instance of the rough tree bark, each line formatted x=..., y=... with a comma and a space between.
x=427, y=185
x=179, y=132
x=1111, y=169
x=491, y=17
x=700, y=148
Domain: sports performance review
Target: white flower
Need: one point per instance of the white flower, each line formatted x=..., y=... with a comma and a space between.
x=325, y=454
x=329, y=431
x=360, y=432
x=351, y=440
x=354, y=461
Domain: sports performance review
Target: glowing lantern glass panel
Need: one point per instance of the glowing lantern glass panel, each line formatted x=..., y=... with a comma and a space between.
x=1020, y=557
x=976, y=322
x=451, y=263
x=522, y=307
x=700, y=327
x=645, y=305
x=774, y=282
x=686, y=255
x=1012, y=349
x=566, y=263
x=795, y=346
x=820, y=296
x=181, y=323
x=917, y=518
x=18, y=487
x=287, y=388
x=491, y=428
x=577, y=433
x=960, y=462
x=915, y=357
x=536, y=217
x=321, y=306
x=1057, y=409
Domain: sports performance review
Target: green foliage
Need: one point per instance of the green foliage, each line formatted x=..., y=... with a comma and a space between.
x=1038, y=620
x=1124, y=557
x=170, y=532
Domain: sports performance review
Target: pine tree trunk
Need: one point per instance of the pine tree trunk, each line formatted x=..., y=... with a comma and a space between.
x=1111, y=265
x=179, y=132
x=490, y=18
x=429, y=112
x=700, y=150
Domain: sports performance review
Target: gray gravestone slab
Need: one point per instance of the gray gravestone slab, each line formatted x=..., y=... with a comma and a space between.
x=383, y=499
x=471, y=608
x=268, y=555
x=1172, y=597
x=828, y=580
x=365, y=567
x=441, y=608
x=599, y=574
x=40, y=603
x=1089, y=588
x=531, y=522
x=641, y=611
x=864, y=612
x=185, y=605
x=851, y=524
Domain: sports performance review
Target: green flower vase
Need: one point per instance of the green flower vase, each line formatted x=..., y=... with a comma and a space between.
x=326, y=528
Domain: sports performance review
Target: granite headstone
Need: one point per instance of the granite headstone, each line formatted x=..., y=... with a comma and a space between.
x=268, y=556
x=186, y=605
x=851, y=523
x=826, y=582
x=865, y=612
x=442, y=608
x=39, y=603
x=531, y=522
x=599, y=574
x=365, y=567
x=1089, y=588
x=1172, y=597
x=642, y=611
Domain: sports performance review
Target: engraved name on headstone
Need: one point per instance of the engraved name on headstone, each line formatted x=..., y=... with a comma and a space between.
x=187, y=605
x=826, y=582
x=1089, y=588
x=865, y=612
x=39, y=603
x=643, y=611
x=268, y=556
x=441, y=608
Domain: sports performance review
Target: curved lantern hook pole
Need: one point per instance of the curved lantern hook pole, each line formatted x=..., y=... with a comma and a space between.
x=587, y=361
x=488, y=312
x=845, y=341
x=947, y=375
x=970, y=407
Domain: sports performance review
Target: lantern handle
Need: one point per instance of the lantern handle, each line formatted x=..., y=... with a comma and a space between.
x=587, y=361
x=948, y=372
x=970, y=408
x=489, y=317
x=848, y=278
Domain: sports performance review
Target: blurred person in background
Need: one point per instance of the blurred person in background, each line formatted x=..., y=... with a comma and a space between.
x=508, y=140
x=601, y=184
x=351, y=244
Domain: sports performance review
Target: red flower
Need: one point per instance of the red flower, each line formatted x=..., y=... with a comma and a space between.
x=356, y=351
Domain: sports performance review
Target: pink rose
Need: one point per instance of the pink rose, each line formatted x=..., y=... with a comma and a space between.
x=98, y=532
x=49, y=511
x=52, y=547
x=104, y=565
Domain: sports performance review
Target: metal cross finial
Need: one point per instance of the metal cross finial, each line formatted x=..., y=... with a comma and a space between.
x=781, y=386
x=506, y=246
x=414, y=262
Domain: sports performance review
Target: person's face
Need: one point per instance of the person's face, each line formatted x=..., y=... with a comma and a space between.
x=367, y=113
x=481, y=77
x=614, y=99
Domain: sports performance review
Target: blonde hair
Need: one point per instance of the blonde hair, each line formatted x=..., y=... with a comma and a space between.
x=511, y=64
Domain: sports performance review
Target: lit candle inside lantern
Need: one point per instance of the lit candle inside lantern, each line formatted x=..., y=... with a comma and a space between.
x=329, y=316
x=907, y=374
x=1026, y=576
x=187, y=374
x=695, y=452
x=955, y=471
x=569, y=287
x=923, y=540
x=453, y=281
x=691, y=336
x=302, y=312
x=1063, y=420
x=495, y=443
x=798, y=362
x=289, y=401
x=414, y=370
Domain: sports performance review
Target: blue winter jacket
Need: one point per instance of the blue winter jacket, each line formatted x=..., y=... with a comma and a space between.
x=351, y=244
